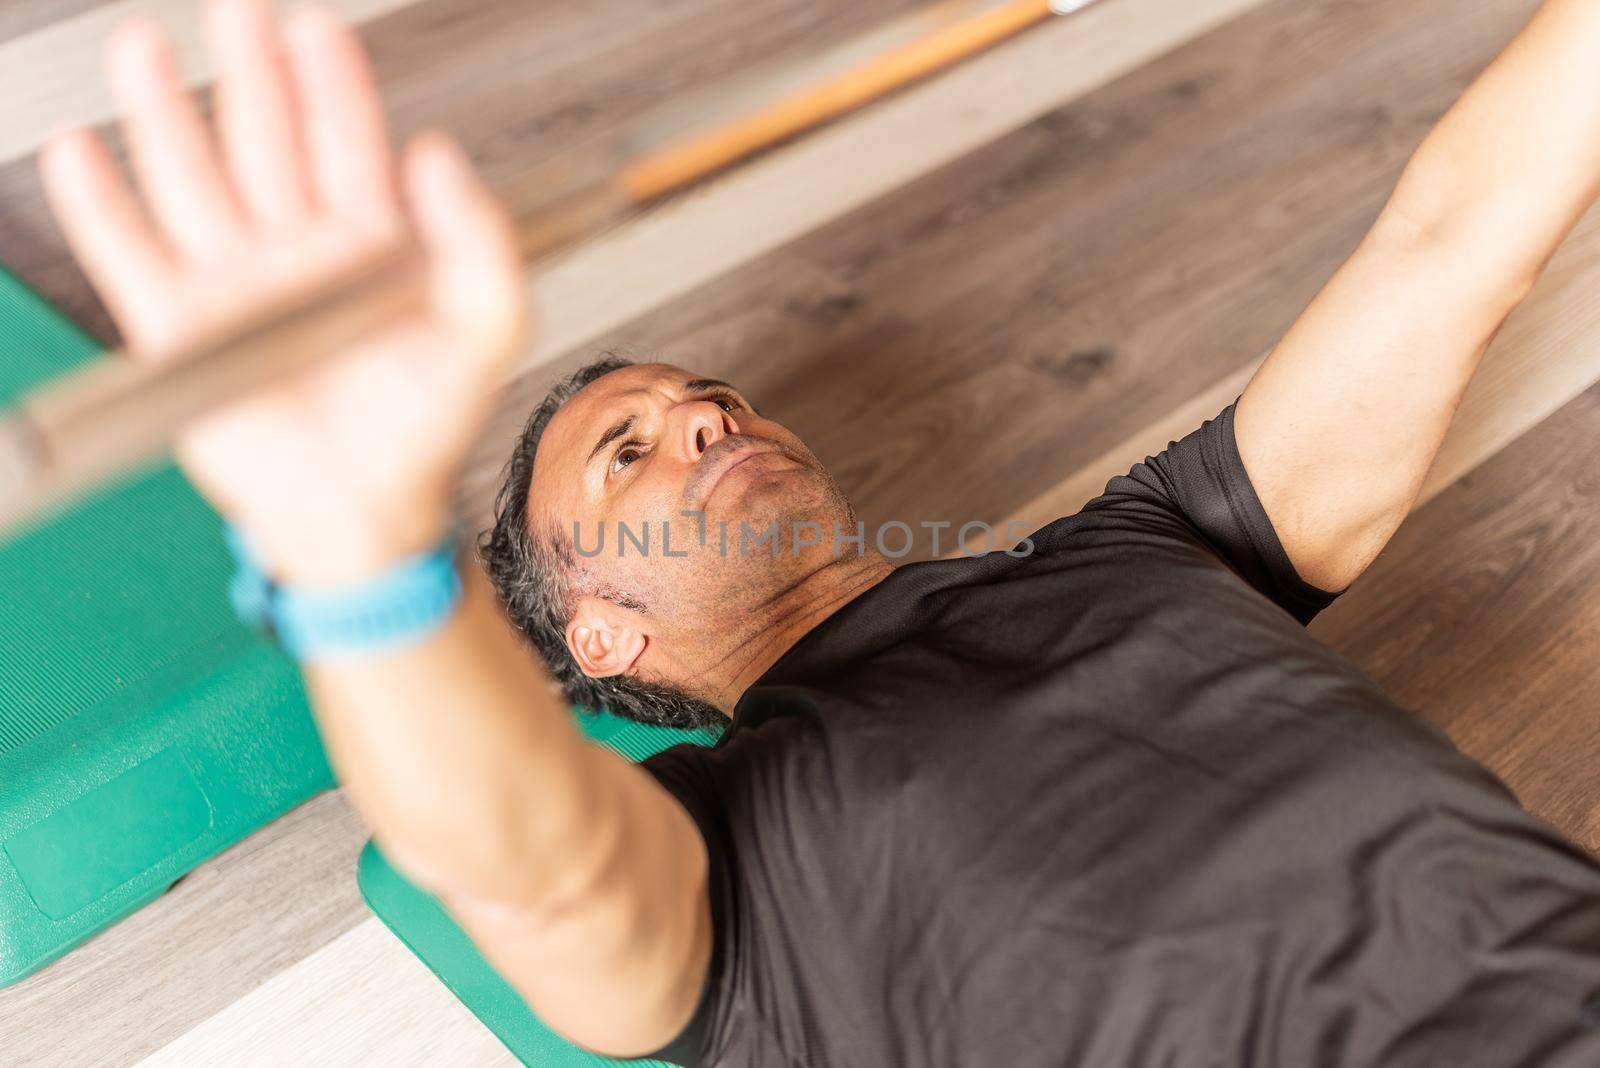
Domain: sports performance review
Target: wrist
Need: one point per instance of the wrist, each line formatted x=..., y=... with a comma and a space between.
x=411, y=598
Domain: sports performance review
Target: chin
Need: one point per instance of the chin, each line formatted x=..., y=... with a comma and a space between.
x=788, y=497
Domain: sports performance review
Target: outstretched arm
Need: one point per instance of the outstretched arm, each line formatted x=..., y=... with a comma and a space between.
x=575, y=872
x=1339, y=426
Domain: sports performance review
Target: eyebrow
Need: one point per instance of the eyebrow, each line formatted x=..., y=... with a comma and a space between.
x=706, y=385
x=609, y=436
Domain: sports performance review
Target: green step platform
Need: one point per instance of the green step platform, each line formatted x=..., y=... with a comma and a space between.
x=142, y=727
x=433, y=936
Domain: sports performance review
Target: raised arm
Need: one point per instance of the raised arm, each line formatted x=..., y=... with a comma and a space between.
x=573, y=870
x=1339, y=426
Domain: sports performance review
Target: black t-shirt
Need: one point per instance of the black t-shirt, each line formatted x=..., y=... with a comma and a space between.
x=1109, y=805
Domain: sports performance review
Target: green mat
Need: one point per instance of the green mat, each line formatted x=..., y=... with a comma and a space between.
x=142, y=727
x=429, y=932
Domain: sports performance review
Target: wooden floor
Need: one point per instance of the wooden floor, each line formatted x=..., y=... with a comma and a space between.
x=1037, y=272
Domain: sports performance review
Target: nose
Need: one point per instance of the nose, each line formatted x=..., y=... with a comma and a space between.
x=701, y=424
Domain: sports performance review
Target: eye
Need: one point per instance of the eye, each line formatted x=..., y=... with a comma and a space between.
x=627, y=454
x=726, y=401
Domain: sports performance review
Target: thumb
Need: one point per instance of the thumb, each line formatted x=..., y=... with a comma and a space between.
x=476, y=289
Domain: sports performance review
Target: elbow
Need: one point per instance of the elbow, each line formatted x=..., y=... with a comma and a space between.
x=1477, y=258
x=1401, y=225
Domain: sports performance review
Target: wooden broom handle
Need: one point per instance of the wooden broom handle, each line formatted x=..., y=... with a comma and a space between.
x=693, y=158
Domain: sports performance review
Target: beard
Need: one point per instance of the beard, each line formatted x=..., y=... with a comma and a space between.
x=784, y=519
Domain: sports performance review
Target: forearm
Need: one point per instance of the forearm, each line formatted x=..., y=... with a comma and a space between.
x=1516, y=162
x=460, y=756
x=573, y=871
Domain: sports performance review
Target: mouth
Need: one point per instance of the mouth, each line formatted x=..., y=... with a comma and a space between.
x=723, y=456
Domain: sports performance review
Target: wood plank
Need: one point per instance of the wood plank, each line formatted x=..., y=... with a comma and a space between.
x=52, y=75
x=380, y=1005
x=1547, y=354
x=18, y=17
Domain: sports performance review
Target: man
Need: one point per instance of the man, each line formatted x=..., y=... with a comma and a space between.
x=1098, y=802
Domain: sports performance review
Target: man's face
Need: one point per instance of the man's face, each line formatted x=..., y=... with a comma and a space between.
x=642, y=446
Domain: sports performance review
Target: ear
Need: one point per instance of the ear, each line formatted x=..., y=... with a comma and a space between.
x=604, y=639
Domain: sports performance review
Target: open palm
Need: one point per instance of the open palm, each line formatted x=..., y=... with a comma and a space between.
x=350, y=465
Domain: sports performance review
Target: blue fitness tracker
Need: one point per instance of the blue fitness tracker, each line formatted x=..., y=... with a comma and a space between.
x=405, y=604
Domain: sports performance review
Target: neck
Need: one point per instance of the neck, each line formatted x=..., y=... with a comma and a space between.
x=738, y=659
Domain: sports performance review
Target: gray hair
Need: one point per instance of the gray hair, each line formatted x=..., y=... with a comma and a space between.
x=536, y=575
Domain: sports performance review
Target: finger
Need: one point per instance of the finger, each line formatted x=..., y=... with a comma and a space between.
x=169, y=145
x=104, y=224
x=477, y=289
x=257, y=113
x=346, y=136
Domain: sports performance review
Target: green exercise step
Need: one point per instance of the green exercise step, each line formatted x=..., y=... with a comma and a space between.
x=142, y=727
x=428, y=931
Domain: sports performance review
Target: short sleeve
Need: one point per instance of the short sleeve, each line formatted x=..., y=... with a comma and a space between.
x=1198, y=491
x=688, y=773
